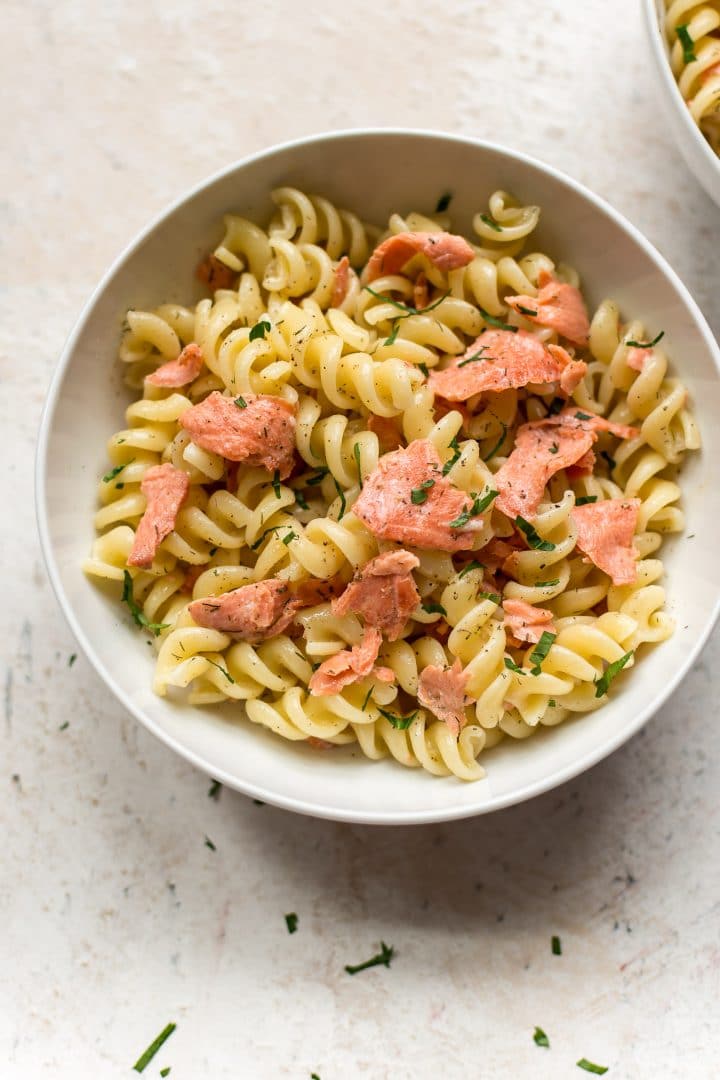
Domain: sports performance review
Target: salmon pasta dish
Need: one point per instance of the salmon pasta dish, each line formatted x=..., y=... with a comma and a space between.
x=692, y=31
x=396, y=488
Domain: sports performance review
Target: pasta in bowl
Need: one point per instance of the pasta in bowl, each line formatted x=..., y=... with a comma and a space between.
x=398, y=487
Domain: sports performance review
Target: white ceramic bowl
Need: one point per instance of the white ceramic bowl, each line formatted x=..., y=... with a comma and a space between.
x=694, y=147
x=86, y=402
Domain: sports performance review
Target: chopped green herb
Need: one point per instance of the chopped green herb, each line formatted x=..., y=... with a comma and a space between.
x=474, y=565
x=212, y=551
x=603, y=683
x=424, y=369
x=555, y=945
x=443, y=203
x=552, y=703
x=556, y=405
x=258, y=802
x=475, y=357
x=434, y=609
x=461, y=520
x=276, y=483
x=481, y=504
x=214, y=790
x=496, y=598
x=137, y=613
x=540, y=651
x=590, y=1067
x=492, y=321
x=291, y=921
x=419, y=495
x=407, y=308
x=64, y=726
x=120, y=486
x=540, y=1038
x=688, y=45
x=71, y=659
x=554, y=448
x=116, y=471
x=393, y=333
x=241, y=402
x=225, y=672
x=356, y=455
x=301, y=500
x=452, y=445
x=209, y=844
x=264, y=533
x=646, y=344
x=532, y=537
x=289, y=537
x=314, y=1076
x=367, y=698
x=260, y=329
x=153, y=1048
x=399, y=722
x=342, y=499
x=498, y=444
x=166, y=1071
x=383, y=957
x=512, y=666
x=318, y=477
x=526, y=310
x=610, y=460
x=492, y=224
x=547, y=584
x=582, y=500
x=583, y=416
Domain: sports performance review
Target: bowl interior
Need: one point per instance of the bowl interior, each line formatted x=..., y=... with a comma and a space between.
x=86, y=405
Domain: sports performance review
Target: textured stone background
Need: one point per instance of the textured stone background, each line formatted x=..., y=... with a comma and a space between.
x=116, y=917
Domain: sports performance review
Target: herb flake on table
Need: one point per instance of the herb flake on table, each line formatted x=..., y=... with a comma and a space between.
x=291, y=921
x=382, y=958
x=540, y=1038
x=556, y=945
x=209, y=844
x=166, y=1071
x=602, y=684
x=71, y=659
x=144, y=1060
x=214, y=790
x=64, y=726
x=591, y=1067
x=137, y=613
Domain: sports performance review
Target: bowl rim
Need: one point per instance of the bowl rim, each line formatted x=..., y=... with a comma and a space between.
x=309, y=806
x=659, y=45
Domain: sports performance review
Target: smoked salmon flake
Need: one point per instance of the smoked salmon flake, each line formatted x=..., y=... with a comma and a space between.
x=385, y=504
x=215, y=274
x=181, y=371
x=442, y=691
x=525, y=622
x=386, y=430
x=444, y=250
x=383, y=592
x=165, y=489
x=500, y=360
x=252, y=613
x=349, y=665
x=260, y=431
x=605, y=532
x=558, y=306
x=342, y=282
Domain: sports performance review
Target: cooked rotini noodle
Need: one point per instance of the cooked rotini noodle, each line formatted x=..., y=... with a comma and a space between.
x=299, y=319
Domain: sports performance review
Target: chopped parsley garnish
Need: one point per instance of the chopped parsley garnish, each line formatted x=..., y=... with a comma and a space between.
x=407, y=308
x=552, y=703
x=554, y=448
x=289, y=537
x=212, y=551
x=452, y=445
x=540, y=651
x=589, y=1066
x=443, y=203
x=555, y=406
x=540, y=1038
x=367, y=698
x=401, y=723
x=688, y=45
x=314, y=1076
x=610, y=460
x=71, y=659
x=318, y=477
x=393, y=333
x=526, y=310
x=166, y=1071
x=137, y=612
x=241, y=402
x=496, y=598
x=225, y=672
x=276, y=483
x=646, y=344
x=209, y=844
x=583, y=416
x=214, y=790
x=512, y=666
x=343, y=504
x=532, y=537
x=260, y=329
x=356, y=455
x=144, y=1060
x=291, y=921
x=475, y=356
x=116, y=471
x=582, y=500
x=383, y=957
x=271, y=529
x=474, y=565
x=120, y=486
x=301, y=500
x=492, y=321
x=434, y=609
x=602, y=684
x=424, y=369
x=461, y=520
x=555, y=945
x=547, y=584
x=492, y=224
x=63, y=727
x=478, y=505
x=419, y=495
x=498, y=444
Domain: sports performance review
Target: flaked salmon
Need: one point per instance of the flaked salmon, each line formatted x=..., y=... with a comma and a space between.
x=257, y=429
x=252, y=613
x=500, y=359
x=526, y=622
x=387, y=431
x=349, y=665
x=164, y=488
x=442, y=691
x=383, y=592
x=215, y=274
x=444, y=250
x=558, y=306
x=342, y=282
x=605, y=533
x=181, y=371
x=407, y=498
x=637, y=358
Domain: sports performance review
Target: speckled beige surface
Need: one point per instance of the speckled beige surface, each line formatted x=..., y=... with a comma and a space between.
x=116, y=917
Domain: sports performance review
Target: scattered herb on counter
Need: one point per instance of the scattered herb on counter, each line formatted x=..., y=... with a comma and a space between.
x=144, y=1060
x=241, y=402
x=443, y=203
x=356, y=455
x=434, y=609
x=291, y=921
x=401, y=723
x=540, y=651
x=602, y=684
x=490, y=223
x=556, y=945
x=590, y=1067
x=481, y=504
x=540, y=1038
x=688, y=45
x=64, y=726
x=419, y=495
x=258, y=802
x=314, y=1076
x=498, y=323
x=209, y=844
x=214, y=790
x=260, y=329
x=383, y=957
x=137, y=613
x=166, y=1071
x=71, y=659
x=583, y=500
x=532, y=537
x=225, y=672
x=646, y=344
